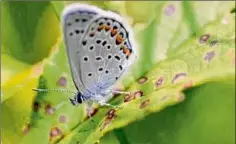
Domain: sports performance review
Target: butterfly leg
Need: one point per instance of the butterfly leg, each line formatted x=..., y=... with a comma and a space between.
x=102, y=103
x=89, y=109
x=121, y=92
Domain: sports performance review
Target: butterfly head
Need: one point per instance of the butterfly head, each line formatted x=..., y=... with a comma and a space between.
x=78, y=99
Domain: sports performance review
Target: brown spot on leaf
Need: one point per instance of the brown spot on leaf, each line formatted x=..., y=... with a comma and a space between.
x=55, y=132
x=204, y=38
x=142, y=80
x=26, y=129
x=111, y=113
x=129, y=97
x=209, y=55
x=110, y=116
x=179, y=76
x=49, y=109
x=169, y=10
x=144, y=104
x=36, y=106
x=213, y=43
x=138, y=94
x=159, y=82
x=91, y=112
x=62, y=81
x=63, y=119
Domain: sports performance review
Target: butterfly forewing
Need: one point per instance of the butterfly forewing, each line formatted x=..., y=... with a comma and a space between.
x=76, y=19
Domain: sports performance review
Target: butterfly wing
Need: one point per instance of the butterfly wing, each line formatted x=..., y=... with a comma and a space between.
x=75, y=19
x=105, y=54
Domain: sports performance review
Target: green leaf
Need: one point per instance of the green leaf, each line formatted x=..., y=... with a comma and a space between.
x=206, y=116
x=16, y=104
x=197, y=64
x=29, y=30
x=53, y=119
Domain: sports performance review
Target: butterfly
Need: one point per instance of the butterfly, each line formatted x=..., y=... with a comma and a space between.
x=99, y=47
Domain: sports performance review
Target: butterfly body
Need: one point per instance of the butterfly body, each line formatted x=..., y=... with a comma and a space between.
x=99, y=49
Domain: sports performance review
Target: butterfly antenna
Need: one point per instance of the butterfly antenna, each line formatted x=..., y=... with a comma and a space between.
x=54, y=90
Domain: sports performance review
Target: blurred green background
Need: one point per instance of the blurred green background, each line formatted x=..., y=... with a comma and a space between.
x=186, y=60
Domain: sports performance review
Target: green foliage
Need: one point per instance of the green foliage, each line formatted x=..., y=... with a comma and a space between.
x=206, y=116
x=180, y=45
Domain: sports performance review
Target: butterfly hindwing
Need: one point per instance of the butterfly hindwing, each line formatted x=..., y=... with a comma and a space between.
x=105, y=53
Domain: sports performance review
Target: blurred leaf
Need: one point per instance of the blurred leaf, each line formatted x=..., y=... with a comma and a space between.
x=10, y=67
x=29, y=30
x=193, y=16
x=161, y=86
x=16, y=104
x=109, y=138
x=195, y=62
x=207, y=116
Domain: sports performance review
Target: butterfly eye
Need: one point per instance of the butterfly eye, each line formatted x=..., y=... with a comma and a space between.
x=106, y=71
x=89, y=74
x=108, y=47
x=108, y=23
x=109, y=56
x=77, y=20
x=71, y=34
x=101, y=23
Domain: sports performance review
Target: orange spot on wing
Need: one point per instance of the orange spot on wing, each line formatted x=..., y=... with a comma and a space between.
x=100, y=28
x=113, y=32
x=107, y=28
x=119, y=39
